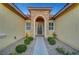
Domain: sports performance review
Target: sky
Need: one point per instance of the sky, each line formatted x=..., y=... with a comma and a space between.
x=55, y=7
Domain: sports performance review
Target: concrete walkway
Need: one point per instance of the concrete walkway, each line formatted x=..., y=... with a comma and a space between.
x=40, y=47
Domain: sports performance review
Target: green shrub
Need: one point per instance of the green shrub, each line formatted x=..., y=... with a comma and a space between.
x=68, y=53
x=74, y=53
x=28, y=40
x=60, y=50
x=51, y=40
x=21, y=48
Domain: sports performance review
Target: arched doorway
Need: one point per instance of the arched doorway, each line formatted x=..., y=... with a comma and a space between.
x=39, y=26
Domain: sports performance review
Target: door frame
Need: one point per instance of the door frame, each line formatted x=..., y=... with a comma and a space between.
x=36, y=28
x=37, y=19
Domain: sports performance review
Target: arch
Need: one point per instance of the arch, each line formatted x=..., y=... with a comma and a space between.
x=39, y=26
x=39, y=16
x=39, y=19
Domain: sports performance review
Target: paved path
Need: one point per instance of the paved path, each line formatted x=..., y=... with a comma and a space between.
x=40, y=47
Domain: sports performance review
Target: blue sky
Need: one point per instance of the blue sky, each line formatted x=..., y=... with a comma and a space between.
x=55, y=6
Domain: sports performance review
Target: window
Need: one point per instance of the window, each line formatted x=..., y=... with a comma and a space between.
x=51, y=26
x=28, y=26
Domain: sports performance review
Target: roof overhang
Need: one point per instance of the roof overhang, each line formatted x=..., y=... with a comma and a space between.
x=63, y=10
x=13, y=8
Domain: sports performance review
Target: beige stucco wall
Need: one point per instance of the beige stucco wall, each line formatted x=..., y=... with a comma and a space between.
x=12, y=25
x=67, y=27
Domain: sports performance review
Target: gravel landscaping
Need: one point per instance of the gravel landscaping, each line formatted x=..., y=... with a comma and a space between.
x=52, y=48
x=11, y=49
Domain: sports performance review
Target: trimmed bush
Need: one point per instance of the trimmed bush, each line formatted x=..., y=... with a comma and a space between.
x=60, y=50
x=51, y=40
x=28, y=40
x=74, y=53
x=21, y=48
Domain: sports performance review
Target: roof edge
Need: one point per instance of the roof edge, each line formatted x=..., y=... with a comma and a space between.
x=13, y=8
x=62, y=10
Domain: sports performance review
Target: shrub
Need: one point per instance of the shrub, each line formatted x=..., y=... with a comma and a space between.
x=21, y=48
x=74, y=53
x=60, y=50
x=70, y=53
x=51, y=40
x=28, y=40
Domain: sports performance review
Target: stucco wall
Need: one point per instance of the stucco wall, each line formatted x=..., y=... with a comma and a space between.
x=67, y=27
x=12, y=25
